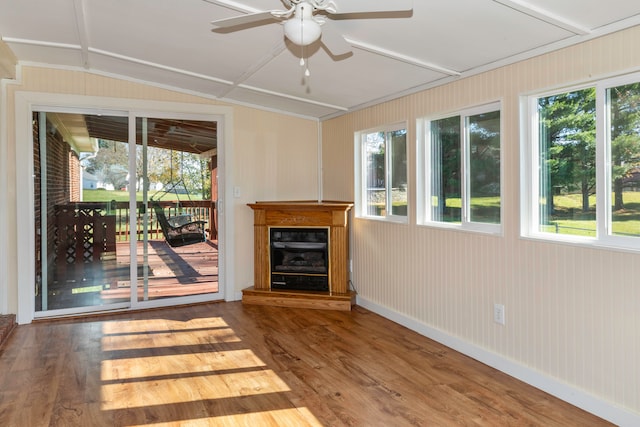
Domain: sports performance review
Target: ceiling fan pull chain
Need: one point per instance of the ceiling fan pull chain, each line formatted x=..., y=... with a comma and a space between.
x=302, y=61
x=302, y=37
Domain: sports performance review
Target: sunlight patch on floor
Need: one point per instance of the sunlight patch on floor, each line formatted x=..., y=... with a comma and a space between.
x=140, y=368
x=294, y=417
x=174, y=338
x=170, y=391
x=181, y=369
x=151, y=325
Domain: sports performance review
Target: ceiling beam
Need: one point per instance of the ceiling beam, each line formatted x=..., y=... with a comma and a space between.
x=544, y=15
x=270, y=56
x=81, y=25
x=40, y=43
x=295, y=98
x=400, y=57
x=158, y=66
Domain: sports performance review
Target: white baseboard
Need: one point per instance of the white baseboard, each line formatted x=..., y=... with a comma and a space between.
x=579, y=398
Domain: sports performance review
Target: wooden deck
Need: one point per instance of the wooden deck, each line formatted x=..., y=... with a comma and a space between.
x=186, y=270
x=173, y=272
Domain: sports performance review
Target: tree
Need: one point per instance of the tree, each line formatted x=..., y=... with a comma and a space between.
x=180, y=168
x=568, y=144
x=111, y=163
x=445, y=152
x=625, y=136
x=168, y=167
x=484, y=154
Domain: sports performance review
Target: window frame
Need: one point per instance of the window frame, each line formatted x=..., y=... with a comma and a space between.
x=424, y=187
x=530, y=162
x=361, y=171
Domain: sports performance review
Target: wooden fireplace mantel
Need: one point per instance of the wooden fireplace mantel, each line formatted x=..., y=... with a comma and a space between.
x=331, y=214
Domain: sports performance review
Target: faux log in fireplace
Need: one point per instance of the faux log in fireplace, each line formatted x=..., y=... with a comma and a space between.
x=301, y=255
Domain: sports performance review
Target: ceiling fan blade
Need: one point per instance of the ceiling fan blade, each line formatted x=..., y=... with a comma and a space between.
x=236, y=21
x=365, y=6
x=334, y=42
x=233, y=5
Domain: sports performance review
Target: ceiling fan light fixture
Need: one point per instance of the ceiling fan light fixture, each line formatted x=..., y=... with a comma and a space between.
x=302, y=29
x=302, y=32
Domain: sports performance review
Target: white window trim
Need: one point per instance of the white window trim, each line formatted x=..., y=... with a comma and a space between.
x=529, y=185
x=424, y=176
x=361, y=167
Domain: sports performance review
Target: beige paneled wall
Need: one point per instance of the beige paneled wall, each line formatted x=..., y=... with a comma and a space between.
x=572, y=313
x=274, y=157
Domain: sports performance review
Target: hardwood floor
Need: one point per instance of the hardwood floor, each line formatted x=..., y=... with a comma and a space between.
x=233, y=364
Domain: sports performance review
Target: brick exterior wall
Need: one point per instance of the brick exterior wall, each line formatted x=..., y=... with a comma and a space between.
x=63, y=186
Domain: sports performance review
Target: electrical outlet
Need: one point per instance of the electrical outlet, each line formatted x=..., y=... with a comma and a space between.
x=498, y=314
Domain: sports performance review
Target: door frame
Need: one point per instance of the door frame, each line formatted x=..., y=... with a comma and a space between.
x=28, y=102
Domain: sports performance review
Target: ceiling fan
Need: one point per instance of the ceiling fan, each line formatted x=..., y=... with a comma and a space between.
x=303, y=18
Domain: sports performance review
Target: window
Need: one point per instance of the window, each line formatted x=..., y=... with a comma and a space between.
x=583, y=179
x=622, y=140
x=460, y=170
x=382, y=176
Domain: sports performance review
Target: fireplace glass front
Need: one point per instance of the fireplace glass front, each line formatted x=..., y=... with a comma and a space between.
x=299, y=258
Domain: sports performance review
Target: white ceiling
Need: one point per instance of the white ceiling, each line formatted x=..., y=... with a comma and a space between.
x=171, y=43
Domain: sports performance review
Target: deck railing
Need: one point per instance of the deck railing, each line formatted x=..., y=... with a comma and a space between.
x=118, y=212
x=200, y=210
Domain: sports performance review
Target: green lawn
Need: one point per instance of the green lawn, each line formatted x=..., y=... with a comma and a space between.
x=569, y=218
x=105, y=196
x=123, y=196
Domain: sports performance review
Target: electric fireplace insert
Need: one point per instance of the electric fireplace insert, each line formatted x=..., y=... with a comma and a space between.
x=299, y=258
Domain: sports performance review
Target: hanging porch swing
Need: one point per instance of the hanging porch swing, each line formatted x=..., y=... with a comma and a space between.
x=178, y=230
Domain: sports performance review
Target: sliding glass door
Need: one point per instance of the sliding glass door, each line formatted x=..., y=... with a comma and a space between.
x=76, y=228
x=177, y=245
x=124, y=210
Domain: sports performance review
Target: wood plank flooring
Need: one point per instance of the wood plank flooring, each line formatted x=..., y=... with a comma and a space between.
x=228, y=364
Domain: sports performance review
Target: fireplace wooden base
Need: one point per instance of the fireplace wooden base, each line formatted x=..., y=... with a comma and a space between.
x=299, y=299
x=302, y=214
